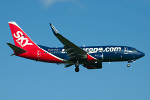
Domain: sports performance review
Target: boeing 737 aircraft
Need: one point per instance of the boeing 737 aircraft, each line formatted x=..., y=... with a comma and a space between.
x=70, y=54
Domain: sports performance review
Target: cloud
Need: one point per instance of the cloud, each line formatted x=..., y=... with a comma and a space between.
x=47, y=3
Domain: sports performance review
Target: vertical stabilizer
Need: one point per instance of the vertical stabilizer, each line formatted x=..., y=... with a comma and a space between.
x=21, y=39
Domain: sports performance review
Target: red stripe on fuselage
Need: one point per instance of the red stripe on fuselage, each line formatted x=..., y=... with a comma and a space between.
x=41, y=55
x=90, y=58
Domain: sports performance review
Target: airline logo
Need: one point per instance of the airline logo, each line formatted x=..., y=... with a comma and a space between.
x=107, y=49
x=20, y=39
x=95, y=50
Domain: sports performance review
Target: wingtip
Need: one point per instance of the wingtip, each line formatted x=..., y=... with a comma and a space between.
x=53, y=29
x=7, y=43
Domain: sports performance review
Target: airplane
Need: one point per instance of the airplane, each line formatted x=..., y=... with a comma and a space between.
x=70, y=54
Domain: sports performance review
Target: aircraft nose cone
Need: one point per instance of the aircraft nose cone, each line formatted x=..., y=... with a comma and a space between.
x=142, y=54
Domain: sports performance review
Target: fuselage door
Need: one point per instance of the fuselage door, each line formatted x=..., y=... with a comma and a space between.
x=125, y=50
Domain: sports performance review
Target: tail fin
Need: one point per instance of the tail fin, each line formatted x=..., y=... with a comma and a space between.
x=21, y=39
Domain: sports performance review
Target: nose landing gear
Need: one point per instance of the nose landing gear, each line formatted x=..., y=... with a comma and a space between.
x=128, y=65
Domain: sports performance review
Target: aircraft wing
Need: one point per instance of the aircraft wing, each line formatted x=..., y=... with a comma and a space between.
x=72, y=50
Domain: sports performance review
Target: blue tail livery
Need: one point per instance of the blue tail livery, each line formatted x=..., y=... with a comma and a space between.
x=90, y=57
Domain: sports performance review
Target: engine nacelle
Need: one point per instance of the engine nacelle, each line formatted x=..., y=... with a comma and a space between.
x=93, y=65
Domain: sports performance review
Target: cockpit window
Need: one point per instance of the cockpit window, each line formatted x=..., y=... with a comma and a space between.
x=134, y=50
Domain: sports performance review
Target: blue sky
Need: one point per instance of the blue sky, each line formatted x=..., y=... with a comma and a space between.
x=84, y=22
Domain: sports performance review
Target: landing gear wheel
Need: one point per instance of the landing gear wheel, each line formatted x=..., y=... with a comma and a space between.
x=76, y=69
x=128, y=65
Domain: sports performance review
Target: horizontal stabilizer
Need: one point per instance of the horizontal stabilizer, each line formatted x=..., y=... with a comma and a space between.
x=16, y=49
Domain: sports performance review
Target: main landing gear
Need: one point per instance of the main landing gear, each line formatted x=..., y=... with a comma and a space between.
x=128, y=65
x=77, y=67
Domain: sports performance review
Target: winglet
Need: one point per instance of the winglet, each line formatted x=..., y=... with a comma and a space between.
x=54, y=29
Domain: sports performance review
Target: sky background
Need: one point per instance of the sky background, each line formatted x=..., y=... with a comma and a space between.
x=84, y=22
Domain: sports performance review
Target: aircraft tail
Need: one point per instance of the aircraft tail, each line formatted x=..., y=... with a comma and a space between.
x=21, y=39
x=16, y=49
